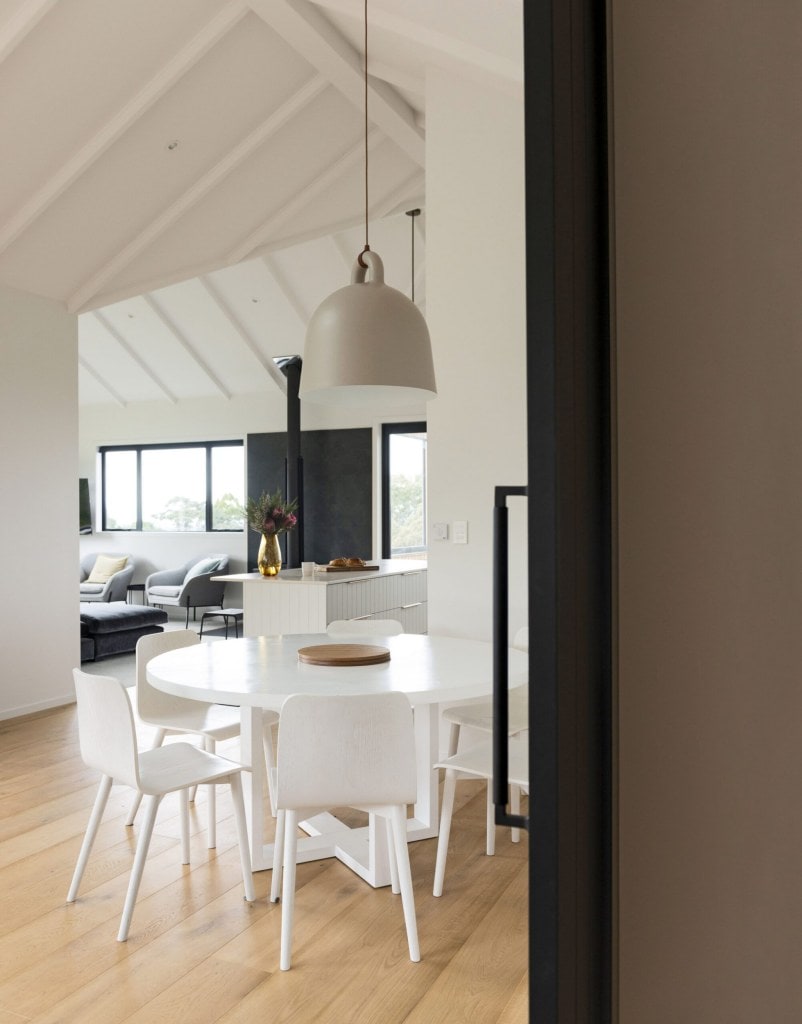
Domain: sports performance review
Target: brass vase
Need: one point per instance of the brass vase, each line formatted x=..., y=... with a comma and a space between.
x=269, y=560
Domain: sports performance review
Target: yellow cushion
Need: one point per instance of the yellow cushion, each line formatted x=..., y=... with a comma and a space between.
x=105, y=567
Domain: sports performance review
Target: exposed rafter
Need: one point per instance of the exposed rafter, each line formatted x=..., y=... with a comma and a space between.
x=134, y=355
x=80, y=161
x=167, y=321
x=443, y=47
x=264, y=361
x=101, y=381
x=308, y=32
x=249, y=246
x=193, y=195
x=17, y=27
x=286, y=289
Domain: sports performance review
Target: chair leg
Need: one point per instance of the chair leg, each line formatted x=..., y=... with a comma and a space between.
x=142, y=847
x=210, y=746
x=89, y=836
x=405, y=879
x=235, y=781
x=157, y=742
x=490, y=839
x=278, y=851
x=183, y=797
x=444, y=831
x=288, y=887
x=186, y=624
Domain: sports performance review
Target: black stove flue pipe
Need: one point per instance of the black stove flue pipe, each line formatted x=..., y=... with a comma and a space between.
x=291, y=368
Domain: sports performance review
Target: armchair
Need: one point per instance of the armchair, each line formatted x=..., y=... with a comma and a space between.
x=102, y=578
x=189, y=586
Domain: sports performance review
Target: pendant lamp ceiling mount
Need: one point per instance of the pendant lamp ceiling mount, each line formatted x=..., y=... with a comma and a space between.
x=368, y=342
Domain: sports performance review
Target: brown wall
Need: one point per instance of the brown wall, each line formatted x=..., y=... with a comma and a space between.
x=707, y=142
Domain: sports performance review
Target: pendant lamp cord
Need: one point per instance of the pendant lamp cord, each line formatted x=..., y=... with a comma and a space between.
x=367, y=247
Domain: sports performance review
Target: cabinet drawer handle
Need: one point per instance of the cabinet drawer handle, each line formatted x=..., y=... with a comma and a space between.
x=415, y=604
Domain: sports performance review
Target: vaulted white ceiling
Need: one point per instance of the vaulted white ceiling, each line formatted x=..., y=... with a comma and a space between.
x=188, y=175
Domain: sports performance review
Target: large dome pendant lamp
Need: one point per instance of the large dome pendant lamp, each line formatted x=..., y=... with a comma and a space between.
x=367, y=342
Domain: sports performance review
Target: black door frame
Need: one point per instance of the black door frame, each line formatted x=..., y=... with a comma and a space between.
x=570, y=521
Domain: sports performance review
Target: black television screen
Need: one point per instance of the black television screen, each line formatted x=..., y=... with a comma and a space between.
x=84, y=508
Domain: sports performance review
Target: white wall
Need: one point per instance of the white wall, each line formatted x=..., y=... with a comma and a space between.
x=707, y=137
x=39, y=513
x=475, y=290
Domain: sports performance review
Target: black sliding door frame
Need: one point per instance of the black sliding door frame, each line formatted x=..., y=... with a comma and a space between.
x=569, y=488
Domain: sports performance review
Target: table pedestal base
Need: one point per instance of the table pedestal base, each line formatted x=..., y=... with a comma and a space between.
x=364, y=850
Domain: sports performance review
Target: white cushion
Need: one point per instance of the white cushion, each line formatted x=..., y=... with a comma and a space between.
x=105, y=567
x=164, y=591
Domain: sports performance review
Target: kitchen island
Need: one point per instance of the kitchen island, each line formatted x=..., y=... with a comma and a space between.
x=293, y=603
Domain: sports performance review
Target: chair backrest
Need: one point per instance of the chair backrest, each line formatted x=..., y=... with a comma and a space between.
x=106, y=727
x=364, y=627
x=521, y=639
x=152, y=705
x=345, y=751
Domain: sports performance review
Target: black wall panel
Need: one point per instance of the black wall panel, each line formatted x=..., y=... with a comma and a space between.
x=337, y=490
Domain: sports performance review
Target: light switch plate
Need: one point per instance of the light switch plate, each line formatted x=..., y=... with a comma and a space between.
x=460, y=533
x=440, y=531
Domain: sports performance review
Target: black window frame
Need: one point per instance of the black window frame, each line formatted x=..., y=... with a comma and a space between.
x=138, y=449
x=388, y=429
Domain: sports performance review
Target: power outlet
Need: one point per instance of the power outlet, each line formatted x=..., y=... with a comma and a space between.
x=460, y=533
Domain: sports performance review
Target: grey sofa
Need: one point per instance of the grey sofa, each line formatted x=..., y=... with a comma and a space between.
x=188, y=586
x=115, y=589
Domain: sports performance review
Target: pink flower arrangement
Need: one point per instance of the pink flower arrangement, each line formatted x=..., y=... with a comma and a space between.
x=269, y=514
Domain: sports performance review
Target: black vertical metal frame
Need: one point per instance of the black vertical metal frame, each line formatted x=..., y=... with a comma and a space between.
x=501, y=632
x=569, y=519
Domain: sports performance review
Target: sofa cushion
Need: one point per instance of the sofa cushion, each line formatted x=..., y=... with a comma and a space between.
x=92, y=588
x=163, y=592
x=205, y=565
x=105, y=567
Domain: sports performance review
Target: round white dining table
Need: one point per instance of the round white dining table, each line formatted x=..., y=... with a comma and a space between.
x=259, y=673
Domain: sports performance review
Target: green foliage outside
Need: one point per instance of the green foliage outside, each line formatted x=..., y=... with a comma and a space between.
x=407, y=512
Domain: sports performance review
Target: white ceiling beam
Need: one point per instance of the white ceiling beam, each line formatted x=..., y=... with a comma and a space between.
x=301, y=25
x=134, y=355
x=100, y=380
x=286, y=289
x=267, y=364
x=17, y=27
x=321, y=183
x=82, y=298
x=126, y=116
x=442, y=46
x=167, y=321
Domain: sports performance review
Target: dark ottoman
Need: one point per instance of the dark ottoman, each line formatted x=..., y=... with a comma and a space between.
x=114, y=628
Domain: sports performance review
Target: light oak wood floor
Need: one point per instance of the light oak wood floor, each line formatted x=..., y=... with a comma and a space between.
x=198, y=953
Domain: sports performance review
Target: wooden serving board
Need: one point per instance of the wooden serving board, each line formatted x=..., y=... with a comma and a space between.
x=343, y=654
x=347, y=568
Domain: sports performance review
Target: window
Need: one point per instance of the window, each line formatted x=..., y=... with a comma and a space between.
x=173, y=488
x=404, y=490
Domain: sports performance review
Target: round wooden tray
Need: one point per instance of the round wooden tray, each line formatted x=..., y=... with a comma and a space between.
x=343, y=654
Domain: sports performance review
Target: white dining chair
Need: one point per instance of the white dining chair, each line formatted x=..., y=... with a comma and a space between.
x=344, y=751
x=108, y=743
x=181, y=716
x=475, y=762
x=364, y=627
x=477, y=713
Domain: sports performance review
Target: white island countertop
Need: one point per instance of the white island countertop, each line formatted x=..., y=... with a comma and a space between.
x=387, y=567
